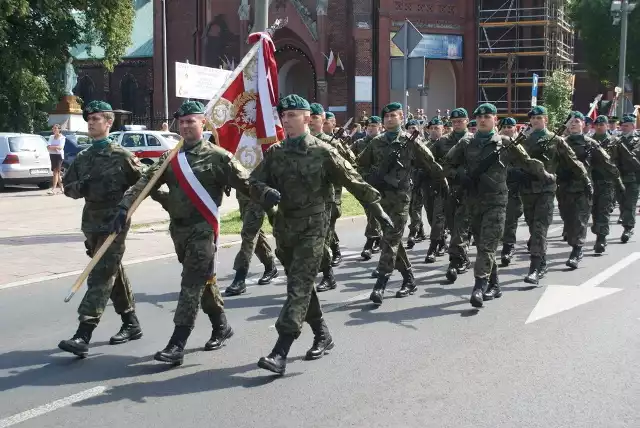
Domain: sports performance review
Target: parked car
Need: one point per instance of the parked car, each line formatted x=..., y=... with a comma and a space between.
x=25, y=160
x=74, y=143
x=148, y=146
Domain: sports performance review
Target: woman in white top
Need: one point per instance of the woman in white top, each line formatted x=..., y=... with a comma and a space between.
x=56, y=154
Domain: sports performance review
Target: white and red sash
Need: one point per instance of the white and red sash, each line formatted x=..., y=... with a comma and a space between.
x=196, y=192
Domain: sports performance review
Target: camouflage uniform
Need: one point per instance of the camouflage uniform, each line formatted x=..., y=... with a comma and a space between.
x=630, y=172
x=101, y=174
x=538, y=197
x=577, y=199
x=302, y=170
x=487, y=197
x=193, y=239
x=394, y=184
x=420, y=189
x=372, y=231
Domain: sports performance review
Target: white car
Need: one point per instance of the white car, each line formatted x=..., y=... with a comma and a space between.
x=24, y=159
x=148, y=146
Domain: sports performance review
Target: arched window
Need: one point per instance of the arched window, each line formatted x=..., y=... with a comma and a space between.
x=85, y=89
x=129, y=93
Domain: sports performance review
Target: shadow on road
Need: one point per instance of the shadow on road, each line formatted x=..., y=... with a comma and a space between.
x=52, y=238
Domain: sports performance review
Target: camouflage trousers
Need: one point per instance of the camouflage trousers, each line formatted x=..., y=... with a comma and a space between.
x=487, y=225
x=628, y=204
x=538, y=213
x=603, y=197
x=443, y=208
x=107, y=280
x=300, y=244
x=253, y=238
x=392, y=252
x=373, y=230
x=459, y=227
x=331, y=240
x=513, y=214
x=576, y=209
x=195, y=250
x=421, y=197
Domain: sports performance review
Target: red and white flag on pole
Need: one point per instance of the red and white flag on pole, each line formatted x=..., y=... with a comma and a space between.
x=331, y=63
x=593, y=108
x=246, y=117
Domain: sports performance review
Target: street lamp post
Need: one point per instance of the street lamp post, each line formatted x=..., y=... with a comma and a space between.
x=165, y=73
x=620, y=10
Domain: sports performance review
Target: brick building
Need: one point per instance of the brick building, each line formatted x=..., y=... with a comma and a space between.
x=211, y=32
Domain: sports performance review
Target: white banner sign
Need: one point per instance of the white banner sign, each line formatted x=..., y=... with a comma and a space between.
x=197, y=82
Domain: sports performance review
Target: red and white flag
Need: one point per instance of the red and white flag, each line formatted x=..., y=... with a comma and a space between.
x=246, y=116
x=593, y=107
x=331, y=63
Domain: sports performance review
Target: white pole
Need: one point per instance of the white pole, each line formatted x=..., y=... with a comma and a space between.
x=165, y=76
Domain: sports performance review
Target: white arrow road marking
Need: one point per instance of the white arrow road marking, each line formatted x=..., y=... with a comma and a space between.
x=54, y=405
x=559, y=298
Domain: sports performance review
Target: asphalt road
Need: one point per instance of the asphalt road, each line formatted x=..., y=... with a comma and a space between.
x=529, y=359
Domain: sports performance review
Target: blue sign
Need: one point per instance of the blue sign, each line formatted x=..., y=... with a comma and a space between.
x=439, y=46
x=534, y=91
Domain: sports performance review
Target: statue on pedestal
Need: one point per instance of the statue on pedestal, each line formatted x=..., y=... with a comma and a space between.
x=70, y=78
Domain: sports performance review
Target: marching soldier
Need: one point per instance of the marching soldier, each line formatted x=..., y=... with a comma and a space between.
x=419, y=190
x=487, y=191
x=514, y=203
x=387, y=163
x=212, y=168
x=298, y=175
x=629, y=172
x=372, y=232
x=538, y=196
x=100, y=175
x=578, y=198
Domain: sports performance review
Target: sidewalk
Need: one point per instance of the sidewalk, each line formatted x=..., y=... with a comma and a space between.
x=40, y=235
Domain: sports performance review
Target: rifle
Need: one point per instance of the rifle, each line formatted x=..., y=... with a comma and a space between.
x=342, y=148
x=380, y=179
x=494, y=157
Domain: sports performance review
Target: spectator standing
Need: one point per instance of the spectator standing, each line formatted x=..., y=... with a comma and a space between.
x=55, y=147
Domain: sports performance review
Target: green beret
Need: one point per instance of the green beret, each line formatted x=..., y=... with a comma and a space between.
x=95, y=107
x=374, y=120
x=391, y=107
x=330, y=115
x=628, y=118
x=485, y=108
x=613, y=119
x=538, y=111
x=459, y=113
x=577, y=115
x=316, y=109
x=293, y=102
x=508, y=121
x=601, y=119
x=412, y=122
x=472, y=123
x=447, y=124
x=189, y=107
x=435, y=121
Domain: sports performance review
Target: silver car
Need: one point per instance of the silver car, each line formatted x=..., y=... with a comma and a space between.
x=24, y=159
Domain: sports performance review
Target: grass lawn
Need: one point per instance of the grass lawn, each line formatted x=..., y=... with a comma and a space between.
x=232, y=224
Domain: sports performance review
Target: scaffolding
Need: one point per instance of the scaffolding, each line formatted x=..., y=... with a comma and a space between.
x=517, y=39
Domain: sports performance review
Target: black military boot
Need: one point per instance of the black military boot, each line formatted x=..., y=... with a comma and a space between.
x=79, y=343
x=411, y=240
x=173, y=353
x=420, y=235
x=507, y=254
x=367, y=251
x=221, y=332
x=543, y=267
x=376, y=246
x=270, y=273
x=431, y=252
x=534, y=271
x=452, y=271
x=238, y=285
x=328, y=281
x=464, y=265
x=336, y=257
x=575, y=257
x=408, y=284
x=626, y=235
x=493, y=291
x=377, y=295
x=276, y=361
x=601, y=244
x=130, y=329
x=443, y=248
x=478, y=292
x=322, y=341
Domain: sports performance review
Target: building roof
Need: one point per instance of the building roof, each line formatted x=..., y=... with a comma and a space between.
x=141, y=36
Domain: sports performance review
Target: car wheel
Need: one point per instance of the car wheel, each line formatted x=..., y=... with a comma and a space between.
x=1, y=185
x=44, y=185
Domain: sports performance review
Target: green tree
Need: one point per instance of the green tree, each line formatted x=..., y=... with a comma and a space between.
x=557, y=97
x=593, y=21
x=35, y=38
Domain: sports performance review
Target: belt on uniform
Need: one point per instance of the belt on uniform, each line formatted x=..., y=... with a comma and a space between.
x=102, y=205
x=305, y=212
